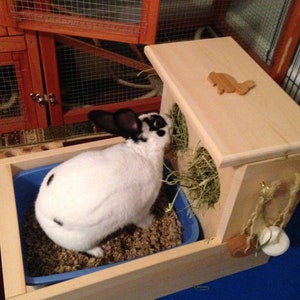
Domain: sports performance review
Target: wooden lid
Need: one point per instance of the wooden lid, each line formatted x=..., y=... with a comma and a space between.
x=235, y=129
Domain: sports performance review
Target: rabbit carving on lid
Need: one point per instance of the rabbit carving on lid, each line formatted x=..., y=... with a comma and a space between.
x=88, y=197
x=226, y=83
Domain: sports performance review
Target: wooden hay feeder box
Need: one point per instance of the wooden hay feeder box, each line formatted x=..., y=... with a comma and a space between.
x=252, y=139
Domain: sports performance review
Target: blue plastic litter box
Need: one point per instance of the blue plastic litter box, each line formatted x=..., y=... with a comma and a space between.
x=26, y=186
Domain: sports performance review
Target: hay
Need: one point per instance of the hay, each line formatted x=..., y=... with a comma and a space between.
x=179, y=136
x=200, y=181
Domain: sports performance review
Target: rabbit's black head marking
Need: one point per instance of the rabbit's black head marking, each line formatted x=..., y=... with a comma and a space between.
x=123, y=122
x=156, y=123
x=126, y=123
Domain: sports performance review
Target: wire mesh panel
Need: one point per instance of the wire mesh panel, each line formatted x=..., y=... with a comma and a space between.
x=179, y=19
x=255, y=24
x=258, y=24
x=120, y=20
x=16, y=110
x=128, y=11
x=10, y=106
x=88, y=79
x=292, y=80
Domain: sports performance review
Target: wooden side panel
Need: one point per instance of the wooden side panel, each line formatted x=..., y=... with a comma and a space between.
x=245, y=189
x=11, y=255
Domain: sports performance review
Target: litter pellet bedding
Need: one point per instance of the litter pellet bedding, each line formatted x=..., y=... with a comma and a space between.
x=43, y=257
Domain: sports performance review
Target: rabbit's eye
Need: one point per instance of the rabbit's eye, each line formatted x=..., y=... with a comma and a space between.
x=161, y=132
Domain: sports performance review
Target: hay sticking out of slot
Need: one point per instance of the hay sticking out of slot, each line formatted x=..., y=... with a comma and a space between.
x=200, y=181
x=179, y=136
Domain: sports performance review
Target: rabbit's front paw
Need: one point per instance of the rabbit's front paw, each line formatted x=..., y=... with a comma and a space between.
x=97, y=252
x=145, y=222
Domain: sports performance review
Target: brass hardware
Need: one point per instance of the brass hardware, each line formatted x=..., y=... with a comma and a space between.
x=43, y=99
x=52, y=99
x=38, y=98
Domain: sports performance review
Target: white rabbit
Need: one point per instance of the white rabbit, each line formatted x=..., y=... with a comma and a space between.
x=88, y=197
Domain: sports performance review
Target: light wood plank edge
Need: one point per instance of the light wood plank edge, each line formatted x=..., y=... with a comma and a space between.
x=152, y=276
x=36, y=159
x=10, y=246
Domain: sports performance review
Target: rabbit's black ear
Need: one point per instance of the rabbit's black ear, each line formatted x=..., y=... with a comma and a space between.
x=128, y=123
x=123, y=122
x=105, y=120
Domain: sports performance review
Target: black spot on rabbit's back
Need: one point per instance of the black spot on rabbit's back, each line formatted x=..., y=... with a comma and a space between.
x=58, y=222
x=50, y=179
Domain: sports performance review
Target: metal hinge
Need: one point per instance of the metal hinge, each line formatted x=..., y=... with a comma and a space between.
x=42, y=100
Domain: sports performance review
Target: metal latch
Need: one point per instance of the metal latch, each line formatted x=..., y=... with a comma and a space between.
x=43, y=99
x=52, y=99
x=38, y=98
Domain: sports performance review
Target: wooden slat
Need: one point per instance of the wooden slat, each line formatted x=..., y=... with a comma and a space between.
x=70, y=25
x=15, y=31
x=24, y=84
x=12, y=43
x=36, y=159
x=36, y=73
x=149, y=21
x=139, y=106
x=50, y=69
x=106, y=54
x=152, y=276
